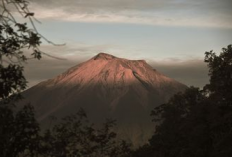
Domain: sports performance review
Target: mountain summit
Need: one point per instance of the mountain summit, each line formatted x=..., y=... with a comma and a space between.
x=104, y=56
x=106, y=86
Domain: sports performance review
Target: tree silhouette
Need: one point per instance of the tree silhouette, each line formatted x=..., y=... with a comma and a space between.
x=15, y=37
x=76, y=136
x=16, y=40
x=18, y=129
x=197, y=123
x=19, y=133
x=220, y=72
x=220, y=97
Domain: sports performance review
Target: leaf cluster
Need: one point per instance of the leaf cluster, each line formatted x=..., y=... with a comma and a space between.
x=15, y=39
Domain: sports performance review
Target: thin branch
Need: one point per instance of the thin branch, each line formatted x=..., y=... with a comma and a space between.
x=18, y=9
x=6, y=10
x=33, y=16
x=48, y=41
x=7, y=19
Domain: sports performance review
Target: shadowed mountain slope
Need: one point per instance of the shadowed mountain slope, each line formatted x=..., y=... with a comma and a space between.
x=106, y=86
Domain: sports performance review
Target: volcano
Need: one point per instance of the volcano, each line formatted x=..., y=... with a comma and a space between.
x=106, y=87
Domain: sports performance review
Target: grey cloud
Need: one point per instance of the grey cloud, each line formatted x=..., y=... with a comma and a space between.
x=37, y=71
x=74, y=50
x=117, y=5
x=176, y=12
x=189, y=72
x=104, y=4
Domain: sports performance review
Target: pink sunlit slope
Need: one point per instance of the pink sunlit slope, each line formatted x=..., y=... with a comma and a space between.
x=106, y=86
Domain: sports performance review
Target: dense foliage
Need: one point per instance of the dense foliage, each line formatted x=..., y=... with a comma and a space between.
x=19, y=133
x=197, y=123
x=76, y=136
x=19, y=130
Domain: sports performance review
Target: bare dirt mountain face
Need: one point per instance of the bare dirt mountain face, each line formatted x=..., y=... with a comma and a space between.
x=106, y=87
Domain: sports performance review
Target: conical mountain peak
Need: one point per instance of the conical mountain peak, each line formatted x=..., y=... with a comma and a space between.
x=104, y=56
x=106, y=86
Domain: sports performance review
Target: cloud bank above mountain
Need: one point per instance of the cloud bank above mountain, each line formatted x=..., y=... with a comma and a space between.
x=199, y=13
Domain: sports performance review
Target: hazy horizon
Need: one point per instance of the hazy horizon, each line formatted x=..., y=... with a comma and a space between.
x=171, y=35
x=181, y=71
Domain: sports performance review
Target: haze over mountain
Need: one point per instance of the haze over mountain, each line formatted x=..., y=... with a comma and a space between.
x=106, y=87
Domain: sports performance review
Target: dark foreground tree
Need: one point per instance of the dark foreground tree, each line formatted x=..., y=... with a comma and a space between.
x=19, y=133
x=18, y=43
x=197, y=123
x=15, y=40
x=75, y=136
x=18, y=130
x=220, y=97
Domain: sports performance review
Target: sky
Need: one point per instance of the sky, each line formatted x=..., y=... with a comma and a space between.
x=171, y=35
